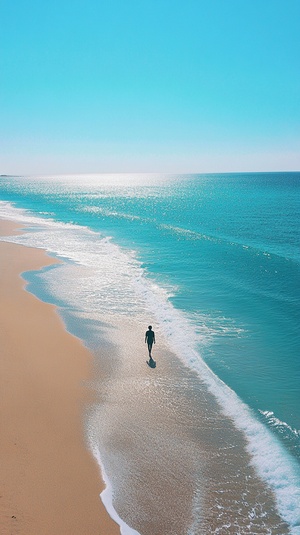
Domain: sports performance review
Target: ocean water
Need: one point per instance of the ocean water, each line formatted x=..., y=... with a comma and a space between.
x=209, y=441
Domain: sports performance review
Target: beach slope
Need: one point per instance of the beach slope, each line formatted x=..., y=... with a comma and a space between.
x=49, y=482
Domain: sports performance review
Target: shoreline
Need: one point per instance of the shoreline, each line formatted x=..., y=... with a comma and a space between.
x=181, y=473
x=50, y=481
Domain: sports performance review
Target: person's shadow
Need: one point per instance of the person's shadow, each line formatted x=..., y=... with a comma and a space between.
x=151, y=363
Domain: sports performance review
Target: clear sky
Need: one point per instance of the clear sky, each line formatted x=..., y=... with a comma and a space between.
x=149, y=86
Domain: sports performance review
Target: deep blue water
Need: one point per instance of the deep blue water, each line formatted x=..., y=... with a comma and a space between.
x=224, y=248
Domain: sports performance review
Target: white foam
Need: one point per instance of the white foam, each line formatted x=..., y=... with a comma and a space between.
x=276, y=422
x=107, y=498
x=11, y=213
x=103, y=282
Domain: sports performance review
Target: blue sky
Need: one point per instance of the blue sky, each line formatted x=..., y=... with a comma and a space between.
x=149, y=86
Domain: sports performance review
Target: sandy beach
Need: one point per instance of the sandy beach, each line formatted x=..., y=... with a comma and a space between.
x=50, y=483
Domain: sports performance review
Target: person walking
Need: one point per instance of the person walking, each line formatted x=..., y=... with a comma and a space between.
x=150, y=340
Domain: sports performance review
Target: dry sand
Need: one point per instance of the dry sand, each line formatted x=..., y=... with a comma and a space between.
x=49, y=481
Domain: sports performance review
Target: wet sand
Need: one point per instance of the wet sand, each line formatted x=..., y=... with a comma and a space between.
x=178, y=465
x=49, y=482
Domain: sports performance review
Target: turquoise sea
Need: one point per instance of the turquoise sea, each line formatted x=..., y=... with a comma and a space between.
x=213, y=263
